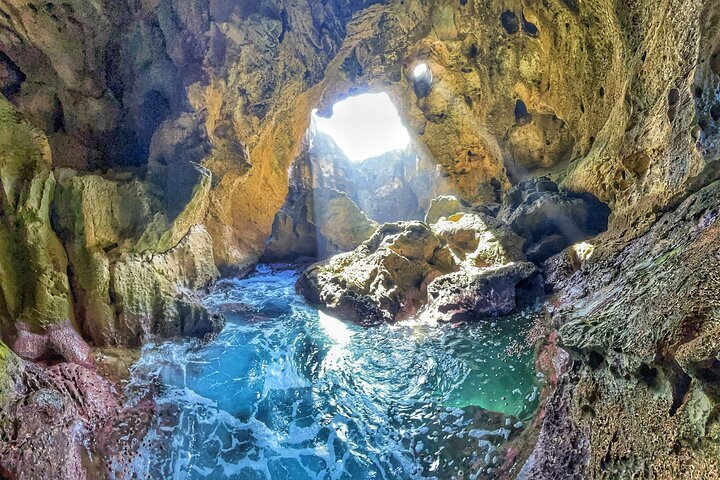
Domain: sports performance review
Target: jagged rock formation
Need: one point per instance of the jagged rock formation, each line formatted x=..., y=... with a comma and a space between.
x=109, y=262
x=577, y=89
x=466, y=265
x=551, y=220
x=50, y=416
x=334, y=204
x=641, y=324
x=614, y=99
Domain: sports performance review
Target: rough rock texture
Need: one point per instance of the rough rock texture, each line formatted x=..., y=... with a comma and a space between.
x=33, y=284
x=316, y=220
x=99, y=252
x=50, y=418
x=548, y=219
x=617, y=100
x=444, y=206
x=487, y=292
x=467, y=265
x=641, y=322
x=384, y=279
x=478, y=240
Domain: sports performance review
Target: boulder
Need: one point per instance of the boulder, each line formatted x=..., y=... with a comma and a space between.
x=384, y=279
x=472, y=292
x=445, y=206
x=473, y=262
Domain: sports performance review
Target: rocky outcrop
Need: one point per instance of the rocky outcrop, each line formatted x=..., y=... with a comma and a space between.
x=33, y=284
x=640, y=321
x=444, y=206
x=316, y=220
x=468, y=265
x=555, y=87
x=50, y=417
x=478, y=292
x=384, y=279
x=97, y=252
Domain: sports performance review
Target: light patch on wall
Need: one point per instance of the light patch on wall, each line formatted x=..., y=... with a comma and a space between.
x=364, y=126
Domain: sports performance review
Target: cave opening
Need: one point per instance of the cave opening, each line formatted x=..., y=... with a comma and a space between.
x=363, y=126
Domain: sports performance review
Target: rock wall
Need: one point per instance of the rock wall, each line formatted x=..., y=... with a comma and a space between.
x=617, y=100
x=97, y=252
x=639, y=395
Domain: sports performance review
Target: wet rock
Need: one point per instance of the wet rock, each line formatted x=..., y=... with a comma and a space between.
x=478, y=292
x=473, y=261
x=384, y=279
x=637, y=319
x=549, y=219
x=51, y=419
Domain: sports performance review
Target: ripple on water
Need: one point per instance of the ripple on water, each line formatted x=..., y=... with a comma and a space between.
x=286, y=392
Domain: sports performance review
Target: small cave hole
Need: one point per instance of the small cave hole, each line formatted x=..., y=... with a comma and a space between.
x=473, y=52
x=582, y=107
x=673, y=96
x=698, y=91
x=11, y=77
x=510, y=22
x=521, y=112
x=710, y=373
x=601, y=92
x=715, y=63
x=595, y=360
x=422, y=79
x=715, y=112
x=680, y=387
x=648, y=375
x=529, y=28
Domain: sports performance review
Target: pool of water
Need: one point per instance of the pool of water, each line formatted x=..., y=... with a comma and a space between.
x=286, y=392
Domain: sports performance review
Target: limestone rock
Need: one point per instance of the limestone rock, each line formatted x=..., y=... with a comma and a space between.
x=478, y=292
x=551, y=220
x=478, y=240
x=315, y=221
x=640, y=319
x=473, y=262
x=384, y=279
x=61, y=413
x=33, y=282
x=445, y=206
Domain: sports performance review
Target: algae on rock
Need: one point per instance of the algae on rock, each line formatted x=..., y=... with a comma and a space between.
x=33, y=282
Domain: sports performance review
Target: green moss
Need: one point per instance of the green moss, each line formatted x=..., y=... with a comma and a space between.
x=33, y=265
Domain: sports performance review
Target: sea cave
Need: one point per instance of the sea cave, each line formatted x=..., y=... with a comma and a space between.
x=359, y=239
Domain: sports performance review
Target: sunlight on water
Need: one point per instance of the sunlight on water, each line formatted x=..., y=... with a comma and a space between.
x=285, y=392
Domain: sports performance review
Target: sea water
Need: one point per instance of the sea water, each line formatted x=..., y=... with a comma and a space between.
x=287, y=392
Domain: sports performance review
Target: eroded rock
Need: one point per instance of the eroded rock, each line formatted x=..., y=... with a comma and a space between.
x=384, y=279
x=549, y=219
x=473, y=292
x=467, y=265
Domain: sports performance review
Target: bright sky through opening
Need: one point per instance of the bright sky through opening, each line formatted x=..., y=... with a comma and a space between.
x=364, y=126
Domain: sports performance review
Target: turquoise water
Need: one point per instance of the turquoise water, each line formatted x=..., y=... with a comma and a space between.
x=285, y=392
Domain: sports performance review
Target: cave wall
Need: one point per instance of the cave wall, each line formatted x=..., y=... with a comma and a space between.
x=148, y=144
x=613, y=98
